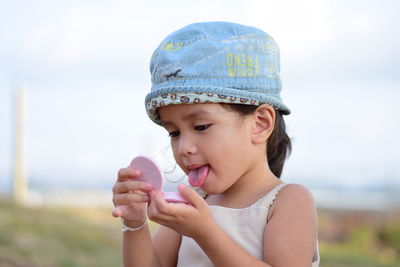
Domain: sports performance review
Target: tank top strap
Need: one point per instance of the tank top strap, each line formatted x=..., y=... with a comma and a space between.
x=269, y=198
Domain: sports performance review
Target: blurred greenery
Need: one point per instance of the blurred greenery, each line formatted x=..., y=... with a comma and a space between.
x=60, y=236
x=54, y=236
x=359, y=238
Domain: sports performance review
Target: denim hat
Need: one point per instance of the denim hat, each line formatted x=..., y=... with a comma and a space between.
x=215, y=62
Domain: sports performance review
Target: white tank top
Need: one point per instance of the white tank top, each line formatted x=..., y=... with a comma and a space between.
x=245, y=226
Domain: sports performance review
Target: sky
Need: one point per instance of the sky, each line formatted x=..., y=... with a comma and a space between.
x=85, y=67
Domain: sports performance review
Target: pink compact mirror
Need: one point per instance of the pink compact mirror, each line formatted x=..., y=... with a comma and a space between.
x=152, y=174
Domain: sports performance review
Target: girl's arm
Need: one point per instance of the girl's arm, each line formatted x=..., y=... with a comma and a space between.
x=291, y=235
x=166, y=243
x=130, y=198
x=137, y=248
x=140, y=250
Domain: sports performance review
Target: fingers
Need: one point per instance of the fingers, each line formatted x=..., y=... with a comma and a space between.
x=130, y=195
x=131, y=185
x=128, y=173
x=192, y=196
x=121, y=211
x=129, y=198
x=158, y=202
x=117, y=212
x=159, y=210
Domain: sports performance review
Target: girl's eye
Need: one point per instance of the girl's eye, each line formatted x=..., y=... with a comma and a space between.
x=202, y=127
x=173, y=134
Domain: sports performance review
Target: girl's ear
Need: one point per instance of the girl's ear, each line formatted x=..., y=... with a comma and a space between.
x=263, y=123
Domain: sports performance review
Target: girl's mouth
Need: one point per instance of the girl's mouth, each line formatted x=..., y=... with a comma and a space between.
x=198, y=176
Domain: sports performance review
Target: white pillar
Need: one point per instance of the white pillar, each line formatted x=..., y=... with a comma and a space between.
x=20, y=184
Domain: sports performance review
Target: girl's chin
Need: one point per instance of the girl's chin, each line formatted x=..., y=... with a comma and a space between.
x=215, y=185
x=211, y=188
x=212, y=184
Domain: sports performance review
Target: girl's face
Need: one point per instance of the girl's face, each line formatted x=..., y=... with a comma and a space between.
x=208, y=137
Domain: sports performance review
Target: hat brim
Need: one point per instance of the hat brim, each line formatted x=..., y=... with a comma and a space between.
x=178, y=96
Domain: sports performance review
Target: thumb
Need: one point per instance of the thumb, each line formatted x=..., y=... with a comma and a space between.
x=192, y=196
x=117, y=211
x=120, y=211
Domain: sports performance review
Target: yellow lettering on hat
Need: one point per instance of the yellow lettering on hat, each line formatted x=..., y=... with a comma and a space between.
x=237, y=59
x=229, y=59
x=171, y=46
x=243, y=60
x=242, y=65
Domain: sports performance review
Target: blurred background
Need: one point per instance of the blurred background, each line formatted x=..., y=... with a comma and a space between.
x=73, y=77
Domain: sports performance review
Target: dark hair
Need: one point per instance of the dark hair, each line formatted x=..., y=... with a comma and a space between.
x=279, y=145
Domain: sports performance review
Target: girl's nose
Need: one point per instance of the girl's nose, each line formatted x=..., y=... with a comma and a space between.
x=186, y=147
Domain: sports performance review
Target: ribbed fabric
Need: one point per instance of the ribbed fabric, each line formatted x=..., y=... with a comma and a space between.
x=245, y=226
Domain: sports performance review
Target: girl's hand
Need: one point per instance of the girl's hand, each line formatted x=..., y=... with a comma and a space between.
x=130, y=197
x=189, y=220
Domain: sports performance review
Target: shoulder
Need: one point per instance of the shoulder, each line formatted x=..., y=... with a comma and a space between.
x=290, y=236
x=293, y=198
x=295, y=192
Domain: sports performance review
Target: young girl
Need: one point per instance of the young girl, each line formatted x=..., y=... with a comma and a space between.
x=216, y=90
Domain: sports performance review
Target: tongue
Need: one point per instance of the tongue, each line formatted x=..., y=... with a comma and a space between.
x=198, y=176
